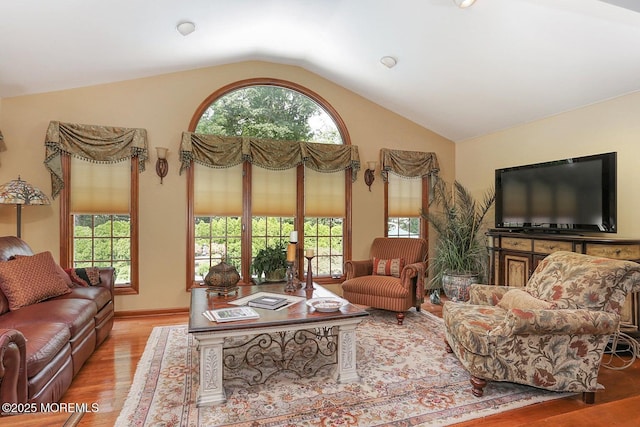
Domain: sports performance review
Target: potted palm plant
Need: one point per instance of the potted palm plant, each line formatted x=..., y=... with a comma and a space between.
x=272, y=262
x=461, y=256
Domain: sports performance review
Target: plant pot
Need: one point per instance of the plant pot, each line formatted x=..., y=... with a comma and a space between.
x=456, y=285
x=275, y=276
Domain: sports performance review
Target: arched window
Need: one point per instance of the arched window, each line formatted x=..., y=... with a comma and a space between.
x=236, y=211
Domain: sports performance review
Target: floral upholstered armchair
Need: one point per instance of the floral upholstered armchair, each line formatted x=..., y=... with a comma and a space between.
x=550, y=334
x=391, y=279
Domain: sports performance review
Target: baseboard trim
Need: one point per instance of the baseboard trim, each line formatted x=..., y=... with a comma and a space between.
x=146, y=313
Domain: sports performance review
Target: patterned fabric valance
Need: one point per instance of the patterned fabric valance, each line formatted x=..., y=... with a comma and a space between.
x=410, y=164
x=226, y=151
x=100, y=144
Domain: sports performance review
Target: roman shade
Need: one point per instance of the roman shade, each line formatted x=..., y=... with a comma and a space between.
x=98, y=188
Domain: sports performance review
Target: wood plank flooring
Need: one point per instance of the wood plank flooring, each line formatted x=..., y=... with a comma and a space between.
x=107, y=375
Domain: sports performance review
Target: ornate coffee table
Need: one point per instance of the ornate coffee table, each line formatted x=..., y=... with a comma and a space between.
x=335, y=330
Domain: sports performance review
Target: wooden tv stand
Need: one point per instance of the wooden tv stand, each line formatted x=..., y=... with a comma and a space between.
x=515, y=255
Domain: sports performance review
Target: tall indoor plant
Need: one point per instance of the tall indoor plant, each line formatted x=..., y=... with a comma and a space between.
x=461, y=256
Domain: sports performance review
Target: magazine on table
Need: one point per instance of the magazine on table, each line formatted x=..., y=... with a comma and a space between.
x=231, y=314
x=268, y=302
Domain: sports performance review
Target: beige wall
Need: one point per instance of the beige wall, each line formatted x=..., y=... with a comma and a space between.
x=164, y=106
x=604, y=127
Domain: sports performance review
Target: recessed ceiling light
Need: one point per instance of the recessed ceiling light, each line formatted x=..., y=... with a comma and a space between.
x=463, y=4
x=388, y=61
x=185, y=28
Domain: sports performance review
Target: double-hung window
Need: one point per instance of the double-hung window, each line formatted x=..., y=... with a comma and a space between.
x=94, y=169
x=406, y=175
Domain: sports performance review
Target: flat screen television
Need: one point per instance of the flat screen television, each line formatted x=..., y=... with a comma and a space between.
x=571, y=195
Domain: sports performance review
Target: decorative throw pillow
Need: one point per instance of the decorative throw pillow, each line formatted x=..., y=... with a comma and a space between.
x=388, y=267
x=59, y=269
x=84, y=277
x=517, y=298
x=30, y=279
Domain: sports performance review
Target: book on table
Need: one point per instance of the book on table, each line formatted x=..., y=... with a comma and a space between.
x=231, y=314
x=268, y=302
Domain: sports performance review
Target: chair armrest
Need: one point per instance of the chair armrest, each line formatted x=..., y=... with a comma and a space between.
x=13, y=371
x=487, y=294
x=411, y=271
x=557, y=322
x=358, y=268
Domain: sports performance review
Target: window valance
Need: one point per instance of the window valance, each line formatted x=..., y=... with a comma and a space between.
x=100, y=144
x=410, y=164
x=223, y=152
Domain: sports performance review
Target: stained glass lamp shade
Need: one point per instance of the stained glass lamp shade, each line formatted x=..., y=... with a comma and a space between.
x=18, y=192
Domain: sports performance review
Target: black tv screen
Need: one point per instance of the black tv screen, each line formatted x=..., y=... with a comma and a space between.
x=570, y=195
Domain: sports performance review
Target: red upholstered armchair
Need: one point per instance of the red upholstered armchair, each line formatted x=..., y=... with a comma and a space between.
x=395, y=282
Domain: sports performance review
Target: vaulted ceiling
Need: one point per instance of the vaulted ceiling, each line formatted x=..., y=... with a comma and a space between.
x=460, y=72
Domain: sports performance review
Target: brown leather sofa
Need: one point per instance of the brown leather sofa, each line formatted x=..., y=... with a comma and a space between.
x=44, y=345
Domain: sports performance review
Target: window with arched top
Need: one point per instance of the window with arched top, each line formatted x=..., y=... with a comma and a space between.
x=237, y=207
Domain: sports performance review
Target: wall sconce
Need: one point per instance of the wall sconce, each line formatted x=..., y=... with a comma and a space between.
x=369, y=174
x=162, y=166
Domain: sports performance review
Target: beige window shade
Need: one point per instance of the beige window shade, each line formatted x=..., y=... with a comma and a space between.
x=100, y=188
x=217, y=191
x=273, y=193
x=405, y=196
x=324, y=194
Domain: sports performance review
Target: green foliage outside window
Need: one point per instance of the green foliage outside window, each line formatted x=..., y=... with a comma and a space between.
x=269, y=112
x=102, y=241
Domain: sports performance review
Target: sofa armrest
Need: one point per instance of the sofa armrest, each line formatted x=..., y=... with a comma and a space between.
x=13, y=371
x=108, y=278
x=354, y=269
x=487, y=294
x=557, y=322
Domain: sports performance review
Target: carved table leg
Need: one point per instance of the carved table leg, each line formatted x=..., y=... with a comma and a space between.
x=211, y=389
x=400, y=317
x=478, y=385
x=347, y=354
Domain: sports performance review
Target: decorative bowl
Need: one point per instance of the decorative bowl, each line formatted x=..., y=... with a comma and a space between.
x=327, y=305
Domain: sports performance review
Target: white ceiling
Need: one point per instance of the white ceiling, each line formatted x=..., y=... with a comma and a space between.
x=460, y=72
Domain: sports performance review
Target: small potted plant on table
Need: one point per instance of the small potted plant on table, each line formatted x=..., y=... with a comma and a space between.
x=272, y=262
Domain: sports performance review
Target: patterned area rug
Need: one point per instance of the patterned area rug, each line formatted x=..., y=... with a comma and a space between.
x=407, y=380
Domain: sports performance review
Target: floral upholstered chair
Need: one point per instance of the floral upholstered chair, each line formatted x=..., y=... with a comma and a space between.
x=391, y=279
x=550, y=334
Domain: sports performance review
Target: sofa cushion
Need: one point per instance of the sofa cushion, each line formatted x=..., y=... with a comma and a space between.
x=381, y=286
x=76, y=313
x=388, y=267
x=517, y=298
x=31, y=279
x=99, y=295
x=44, y=341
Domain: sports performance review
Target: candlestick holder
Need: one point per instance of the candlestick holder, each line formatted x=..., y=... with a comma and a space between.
x=309, y=286
x=291, y=285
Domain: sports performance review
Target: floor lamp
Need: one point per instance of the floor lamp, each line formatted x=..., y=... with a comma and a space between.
x=18, y=192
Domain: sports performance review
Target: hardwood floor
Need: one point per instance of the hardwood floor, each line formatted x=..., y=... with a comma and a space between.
x=107, y=375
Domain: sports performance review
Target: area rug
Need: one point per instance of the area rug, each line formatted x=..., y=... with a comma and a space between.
x=408, y=379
